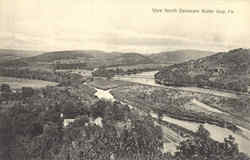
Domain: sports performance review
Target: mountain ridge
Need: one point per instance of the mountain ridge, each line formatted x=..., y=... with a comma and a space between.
x=97, y=58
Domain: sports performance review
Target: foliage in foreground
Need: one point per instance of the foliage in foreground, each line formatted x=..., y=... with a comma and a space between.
x=34, y=131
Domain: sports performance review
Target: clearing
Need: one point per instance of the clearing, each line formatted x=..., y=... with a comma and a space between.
x=19, y=82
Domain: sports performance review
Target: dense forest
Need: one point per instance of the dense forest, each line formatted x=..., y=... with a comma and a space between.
x=32, y=128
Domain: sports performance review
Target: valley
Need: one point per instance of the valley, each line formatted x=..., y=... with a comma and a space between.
x=109, y=99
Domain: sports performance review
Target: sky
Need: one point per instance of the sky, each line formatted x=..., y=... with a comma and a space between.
x=126, y=26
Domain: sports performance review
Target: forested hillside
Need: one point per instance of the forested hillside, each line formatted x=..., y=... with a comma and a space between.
x=227, y=70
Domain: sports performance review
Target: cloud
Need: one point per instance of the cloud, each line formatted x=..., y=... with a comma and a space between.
x=121, y=26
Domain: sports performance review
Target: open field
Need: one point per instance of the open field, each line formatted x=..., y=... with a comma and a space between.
x=19, y=83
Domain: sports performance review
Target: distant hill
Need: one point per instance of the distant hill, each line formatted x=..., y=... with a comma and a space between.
x=59, y=55
x=11, y=54
x=132, y=59
x=95, y=58
x=226, y=70
x=179, y=56
x=84, y=58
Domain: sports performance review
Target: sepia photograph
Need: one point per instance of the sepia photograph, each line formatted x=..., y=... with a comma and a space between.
x=124, y=80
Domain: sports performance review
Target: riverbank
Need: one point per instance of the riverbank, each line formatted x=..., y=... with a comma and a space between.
x=182, y=118
x=185, y=107
x=176, y=129
x=231, y=103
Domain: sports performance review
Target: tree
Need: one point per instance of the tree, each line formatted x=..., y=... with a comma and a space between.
x=6, y=137
x=27, y=91
x=231, y=147
x=6, y=92
x=5, y=88
x=97, y=110
x=203, y=132
x=144, y=138
x=203, y=147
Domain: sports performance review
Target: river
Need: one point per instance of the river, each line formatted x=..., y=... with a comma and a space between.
x=217, y=133
x=148, y=79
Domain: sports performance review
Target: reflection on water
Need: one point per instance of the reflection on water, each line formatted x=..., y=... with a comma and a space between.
x=102, y=94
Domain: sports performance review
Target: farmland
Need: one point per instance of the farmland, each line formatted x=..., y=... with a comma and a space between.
x=18, y=83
